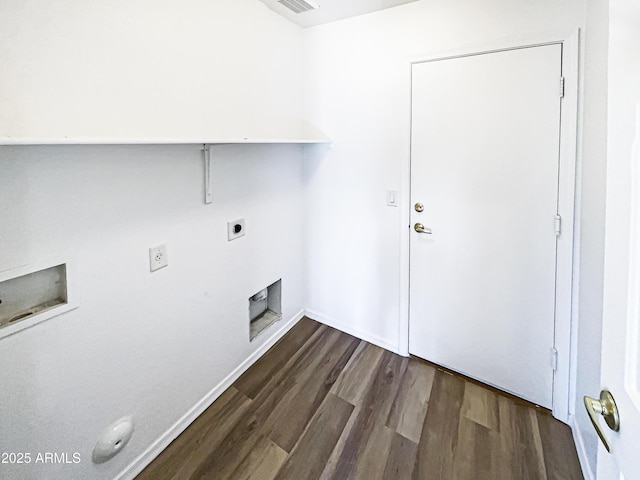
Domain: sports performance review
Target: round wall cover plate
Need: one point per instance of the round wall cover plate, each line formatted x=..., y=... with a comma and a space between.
x=113, y=439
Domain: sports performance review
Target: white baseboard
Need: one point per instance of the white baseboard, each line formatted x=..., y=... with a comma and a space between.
x=145, y=458
x=582, y=452
x=361, y=334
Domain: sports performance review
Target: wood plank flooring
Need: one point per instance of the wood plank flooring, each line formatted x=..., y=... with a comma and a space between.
x=323, y=405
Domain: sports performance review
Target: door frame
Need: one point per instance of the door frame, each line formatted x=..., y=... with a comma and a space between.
x=565, y=331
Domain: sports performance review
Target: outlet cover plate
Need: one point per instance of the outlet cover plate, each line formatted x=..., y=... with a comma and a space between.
x=158, y=257
x=235, y=229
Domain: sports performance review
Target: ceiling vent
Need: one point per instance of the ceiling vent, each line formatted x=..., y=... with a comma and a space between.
x=299, y=6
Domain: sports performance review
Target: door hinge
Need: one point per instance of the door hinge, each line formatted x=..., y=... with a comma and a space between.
x=554, y=359
x=558, y=225
x=561, y=87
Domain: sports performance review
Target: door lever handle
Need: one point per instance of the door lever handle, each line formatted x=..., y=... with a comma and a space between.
x=420, y=228
x=605, y=406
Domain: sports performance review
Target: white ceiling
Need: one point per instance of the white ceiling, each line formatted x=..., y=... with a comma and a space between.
x=332, y=10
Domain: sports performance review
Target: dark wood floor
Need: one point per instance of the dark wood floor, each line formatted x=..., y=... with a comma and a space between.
x=322, y=404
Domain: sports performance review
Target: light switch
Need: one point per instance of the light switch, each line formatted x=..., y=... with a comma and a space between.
x=392, y=198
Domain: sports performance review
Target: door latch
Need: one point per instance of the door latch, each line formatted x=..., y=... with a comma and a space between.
x=605, y=406
x=420, y=228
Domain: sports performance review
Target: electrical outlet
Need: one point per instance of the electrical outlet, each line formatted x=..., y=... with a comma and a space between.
x=235, y=229
x=158, y=257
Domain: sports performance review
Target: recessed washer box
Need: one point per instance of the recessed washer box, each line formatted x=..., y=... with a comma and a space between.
x=32, y=294
x=265, y=308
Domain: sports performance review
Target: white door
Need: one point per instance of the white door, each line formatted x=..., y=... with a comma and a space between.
x=621, y=328
x=484, y=167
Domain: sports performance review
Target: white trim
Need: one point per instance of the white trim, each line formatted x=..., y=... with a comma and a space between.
x=405, y=236
x=566, y=242
x=347, y=328
x=587, y=473
x=566, y=199
x=146, y=457
x=497, y=45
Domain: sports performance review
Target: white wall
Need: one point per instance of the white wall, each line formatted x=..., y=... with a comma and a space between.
x=358, y=92
x=146, y=69
x=149, y=345
x=591, y=198
x=153, y=345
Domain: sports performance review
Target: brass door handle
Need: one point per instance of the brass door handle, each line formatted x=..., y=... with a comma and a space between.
x=420, y=228
x=605, y=406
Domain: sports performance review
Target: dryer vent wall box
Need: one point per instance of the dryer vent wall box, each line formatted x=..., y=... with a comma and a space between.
x=31, y=297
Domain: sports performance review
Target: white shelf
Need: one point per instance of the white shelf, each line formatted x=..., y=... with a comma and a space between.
x=276, y=132
x=157, y=141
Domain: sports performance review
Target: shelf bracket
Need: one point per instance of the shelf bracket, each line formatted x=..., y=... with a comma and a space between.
x=208, y=190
